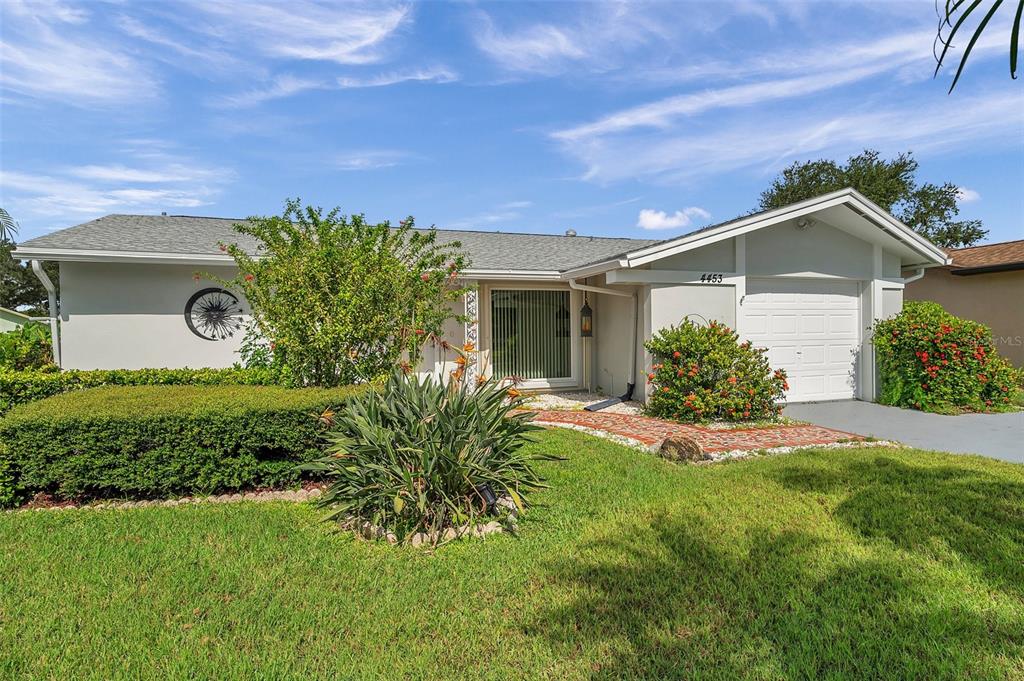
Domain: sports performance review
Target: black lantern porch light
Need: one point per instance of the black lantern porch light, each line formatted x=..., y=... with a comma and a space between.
x=586, y=319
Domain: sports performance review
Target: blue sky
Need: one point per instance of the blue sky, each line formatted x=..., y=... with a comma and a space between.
x=641, y=120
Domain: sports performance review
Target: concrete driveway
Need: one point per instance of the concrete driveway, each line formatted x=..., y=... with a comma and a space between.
x=999, y=436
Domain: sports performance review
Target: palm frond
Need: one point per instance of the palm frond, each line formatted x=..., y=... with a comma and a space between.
x=8, y=226
x=961, y=14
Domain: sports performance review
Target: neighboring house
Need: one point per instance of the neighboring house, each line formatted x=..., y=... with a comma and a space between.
x=11, y=320
x=804, y=280
x=986, y=284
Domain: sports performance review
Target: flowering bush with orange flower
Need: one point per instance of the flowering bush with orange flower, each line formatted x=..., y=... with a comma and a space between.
x=704, y=373
x=931, y=360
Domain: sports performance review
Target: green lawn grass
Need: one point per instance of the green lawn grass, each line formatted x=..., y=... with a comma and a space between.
x=856, y=563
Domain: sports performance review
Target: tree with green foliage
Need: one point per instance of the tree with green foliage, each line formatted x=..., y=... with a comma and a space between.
x=20, y=289
x=340, y=300
x=929, y=209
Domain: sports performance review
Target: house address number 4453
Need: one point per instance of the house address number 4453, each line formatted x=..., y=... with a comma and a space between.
x=708, y=278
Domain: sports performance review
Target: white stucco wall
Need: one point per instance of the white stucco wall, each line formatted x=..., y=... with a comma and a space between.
x=612, y=344
x=783, y=249
x=892, y=302
x=132, y=316
x=670, y=305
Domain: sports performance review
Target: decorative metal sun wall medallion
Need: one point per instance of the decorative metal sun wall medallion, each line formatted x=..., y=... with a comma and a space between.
x=213, y=314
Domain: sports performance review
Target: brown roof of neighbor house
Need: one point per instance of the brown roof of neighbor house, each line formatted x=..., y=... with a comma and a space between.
x=1001, y=257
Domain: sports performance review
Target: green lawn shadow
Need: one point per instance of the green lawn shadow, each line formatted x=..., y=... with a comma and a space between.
x=669, y=597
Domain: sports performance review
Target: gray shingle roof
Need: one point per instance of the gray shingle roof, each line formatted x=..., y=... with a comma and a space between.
x=184, y=234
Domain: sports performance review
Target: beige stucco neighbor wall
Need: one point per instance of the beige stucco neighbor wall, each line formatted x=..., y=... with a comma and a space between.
x=996, y=300
x=132, y=316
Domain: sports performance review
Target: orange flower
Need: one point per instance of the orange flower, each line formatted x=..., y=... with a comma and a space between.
x=460, y=360
x=677, y=354
x=732, y=380
x=513, y=393
x=469, y=347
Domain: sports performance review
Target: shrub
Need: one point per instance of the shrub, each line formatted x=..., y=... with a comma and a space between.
x=339, y=300
x=704, y=373
x=421, y=456
x=153, y=441
x=930, y=360
x=27, y=347
x=20, y=387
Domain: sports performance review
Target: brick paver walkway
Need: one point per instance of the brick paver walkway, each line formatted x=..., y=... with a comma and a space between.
x=650, y=431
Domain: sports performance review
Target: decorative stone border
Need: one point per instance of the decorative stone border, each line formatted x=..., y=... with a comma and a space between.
x=368, y=530
x=739, y=454
x=305, y=494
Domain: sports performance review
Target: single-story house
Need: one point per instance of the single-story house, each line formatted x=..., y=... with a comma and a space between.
x=804, y=281
x=11, y=320
x=983, y=283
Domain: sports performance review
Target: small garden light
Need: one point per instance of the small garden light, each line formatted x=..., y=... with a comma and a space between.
x=488, y=495
x=586, y=320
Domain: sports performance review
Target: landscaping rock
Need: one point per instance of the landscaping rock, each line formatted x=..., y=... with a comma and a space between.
x=683, y=449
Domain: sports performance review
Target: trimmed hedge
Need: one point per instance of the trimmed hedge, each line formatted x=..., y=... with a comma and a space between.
x=155, y=441
x=21, y=387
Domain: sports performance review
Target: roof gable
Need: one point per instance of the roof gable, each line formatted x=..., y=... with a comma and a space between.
x=863, y=208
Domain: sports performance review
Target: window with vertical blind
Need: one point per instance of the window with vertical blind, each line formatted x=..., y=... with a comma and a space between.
x=531, y=334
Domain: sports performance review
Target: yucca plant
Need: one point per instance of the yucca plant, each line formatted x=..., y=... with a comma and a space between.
x=418, y=455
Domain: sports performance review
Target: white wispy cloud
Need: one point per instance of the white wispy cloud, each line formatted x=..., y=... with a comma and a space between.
x=345, y=33
x=680, y=155
x=662, y=113
x=46, y=52
x=597, y=38
x=437, y=74
x=659, y=219
x=56, y=198
x=537, y=48
x=968, y=195
x=370, y=159
x=502, y=213
x=284, y=85
x=779, y=77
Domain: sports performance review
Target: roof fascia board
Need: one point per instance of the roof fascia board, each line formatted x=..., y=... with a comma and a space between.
x=987, y=269
x=536, y=275
x=75, y=255
x=595, y=269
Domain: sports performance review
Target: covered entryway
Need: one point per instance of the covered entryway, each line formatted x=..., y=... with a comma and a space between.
x=811, y=329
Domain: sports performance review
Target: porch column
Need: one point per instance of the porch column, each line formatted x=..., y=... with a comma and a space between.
x=473, y=334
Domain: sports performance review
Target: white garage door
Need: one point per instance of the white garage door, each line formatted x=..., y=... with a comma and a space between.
x=811, y=329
